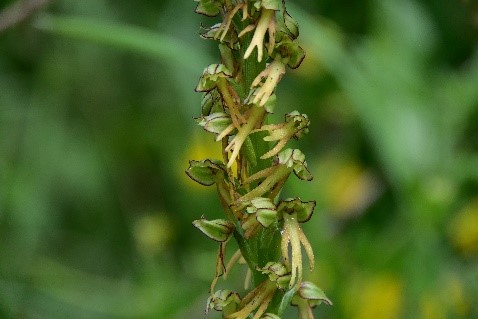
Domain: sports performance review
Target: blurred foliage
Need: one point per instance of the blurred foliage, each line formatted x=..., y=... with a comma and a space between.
x=96, y=129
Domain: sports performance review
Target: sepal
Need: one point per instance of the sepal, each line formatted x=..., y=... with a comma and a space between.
x=206, y=172
x=211, y=103
x=303, y=210
x=216, y=122
x=313, y=294
x=277, y=273
x=264, y=209
x=223, y=300
x=218, y=229
x=296, y=159
x=210, y=76
x=210, y=8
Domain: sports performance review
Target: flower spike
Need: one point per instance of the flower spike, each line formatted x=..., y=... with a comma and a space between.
x=238, y=95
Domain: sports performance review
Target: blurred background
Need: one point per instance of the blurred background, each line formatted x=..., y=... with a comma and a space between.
x=96, y=130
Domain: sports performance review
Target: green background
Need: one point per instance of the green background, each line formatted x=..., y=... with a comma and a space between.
x=96, y=130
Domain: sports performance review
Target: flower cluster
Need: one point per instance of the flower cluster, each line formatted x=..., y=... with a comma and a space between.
x=255, y=164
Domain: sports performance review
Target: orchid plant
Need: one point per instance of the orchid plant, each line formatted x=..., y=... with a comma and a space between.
x=257, y=41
